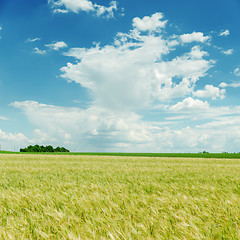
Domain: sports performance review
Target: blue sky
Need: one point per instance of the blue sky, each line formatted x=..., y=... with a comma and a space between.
x=125, y=76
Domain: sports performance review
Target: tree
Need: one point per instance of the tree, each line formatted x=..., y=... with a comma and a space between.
x=49, y=148
x=37, y=148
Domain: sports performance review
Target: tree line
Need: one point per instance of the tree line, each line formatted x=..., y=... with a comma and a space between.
x=49, y=148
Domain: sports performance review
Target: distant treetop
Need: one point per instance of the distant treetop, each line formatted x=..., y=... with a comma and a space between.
x=49, y=148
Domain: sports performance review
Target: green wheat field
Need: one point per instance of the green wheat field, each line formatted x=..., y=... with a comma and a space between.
x=118, y=197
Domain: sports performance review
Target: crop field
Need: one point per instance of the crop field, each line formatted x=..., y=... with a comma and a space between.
x=181, y=155
x=116, y=197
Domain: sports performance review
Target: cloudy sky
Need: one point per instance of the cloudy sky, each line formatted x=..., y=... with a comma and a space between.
x=123, y=76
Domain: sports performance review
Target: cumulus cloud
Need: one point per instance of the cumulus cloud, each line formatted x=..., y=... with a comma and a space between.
x=38, y=51
x=146, y=71
x=194, y=37
x=123, y=75
x=224, y=33
x=57, y=45
x=93, y=127
x=120, y=74
x=197, y=53
x=210, y=92
x=0, y=31
x=130, y=73
x=228, y=52
x=75, y=52
x=71, y=5
x=234, y=85
x=96, y=129
x=152, y=23
x=13, y=141
x=223, y=85
x=12, y=137
x=237, y=72
x=190, y=104
x=76, y=6
x=106, y=11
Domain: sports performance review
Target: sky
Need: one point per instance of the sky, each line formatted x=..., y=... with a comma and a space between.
x=120, y=76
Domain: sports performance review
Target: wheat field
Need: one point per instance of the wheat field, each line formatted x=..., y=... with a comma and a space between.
x=110, y=197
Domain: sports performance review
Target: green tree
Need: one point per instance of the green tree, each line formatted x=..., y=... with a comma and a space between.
x=49, y=148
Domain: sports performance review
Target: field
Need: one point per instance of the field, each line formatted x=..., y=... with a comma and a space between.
x=116, y=197
x=181, y=155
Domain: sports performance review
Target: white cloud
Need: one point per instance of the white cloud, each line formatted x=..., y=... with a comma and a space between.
x=190, y=104
x=210, y=92
x=3, y=118
x=119, y=75
x=60, y=10
x=33, y=39
x=65, y=6
x=115, y=73
x=234, y=85
x=12, y=137
x=57, y=45
x=228, y=52
x=93, y=127
x=137, y=73
x=187, y=69
x=96, y=129
x=130, y=73
x=152, y=23
x=224, y=33
x=179, y=117
x=108, y=11
x=194, y=37
x=173, y=43
x=72, y=5
x=0, y=30
x=38, y=51
x=75, y=52
x=223, y=85
x=53, y=46
x=214, y=136
x=237, y=72
x=12, y=141
x=196, y=53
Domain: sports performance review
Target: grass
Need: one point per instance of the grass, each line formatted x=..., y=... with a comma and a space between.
x=114, y=197
x=182, y=155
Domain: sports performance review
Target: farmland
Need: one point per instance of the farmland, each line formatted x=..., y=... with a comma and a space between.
x=124, y=154
x=118, y=197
